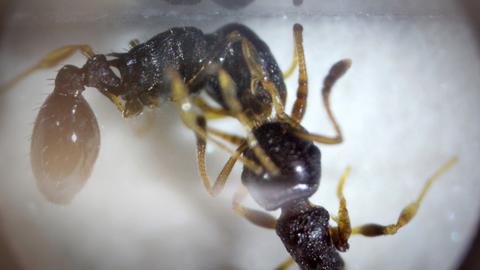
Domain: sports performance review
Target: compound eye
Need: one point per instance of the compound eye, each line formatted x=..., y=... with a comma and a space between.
x=65, y=144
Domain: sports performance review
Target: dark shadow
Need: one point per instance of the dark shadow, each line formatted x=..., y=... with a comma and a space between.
x=7, y=259
x=472, y=12
x=472, y=260
x=6, y=7
x=183, y=2
x=233, y=4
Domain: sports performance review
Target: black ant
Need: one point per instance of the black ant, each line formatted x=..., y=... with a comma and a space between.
x=237, y=70
x=66, y=140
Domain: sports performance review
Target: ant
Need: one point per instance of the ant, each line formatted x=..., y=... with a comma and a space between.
x=66, y=140
x=236, y=69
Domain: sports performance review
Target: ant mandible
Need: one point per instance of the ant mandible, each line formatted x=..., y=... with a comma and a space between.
x=236, y=69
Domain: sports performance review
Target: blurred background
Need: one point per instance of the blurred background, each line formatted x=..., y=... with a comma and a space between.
x=409, y=103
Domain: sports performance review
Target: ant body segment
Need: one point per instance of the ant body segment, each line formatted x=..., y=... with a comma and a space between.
x=237, y=70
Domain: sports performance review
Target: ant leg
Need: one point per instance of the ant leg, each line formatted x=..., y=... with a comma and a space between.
x=300, y=104
x=210, y=112
x=223, y=175
x=337, y=71
x=341, y=233
x=259, y=218
x=278, y=104
x=196, y=122
x=233, y=139
x=227, y=87
x=286, y=264
x=50, y=60
x=408, y=213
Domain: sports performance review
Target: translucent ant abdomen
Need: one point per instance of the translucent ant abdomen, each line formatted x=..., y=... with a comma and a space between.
x=65, y=143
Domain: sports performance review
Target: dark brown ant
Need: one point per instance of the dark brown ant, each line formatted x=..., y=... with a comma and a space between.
x=290, y=167
x=66, y=140
x=237, y=70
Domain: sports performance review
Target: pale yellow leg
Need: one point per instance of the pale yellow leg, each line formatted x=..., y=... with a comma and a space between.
x=286, y=264
x=228, y=91
x=209, y=112
x=193, y=119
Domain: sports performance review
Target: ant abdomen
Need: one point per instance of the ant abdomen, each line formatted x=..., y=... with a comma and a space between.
x=65, y=140
x=297, y=159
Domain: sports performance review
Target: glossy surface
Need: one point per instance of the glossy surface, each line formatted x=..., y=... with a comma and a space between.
x=188, y=50
x=65, y=145
x=297, y=159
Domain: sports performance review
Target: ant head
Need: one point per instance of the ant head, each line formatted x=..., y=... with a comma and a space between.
x=303, y=229
x=297, y=159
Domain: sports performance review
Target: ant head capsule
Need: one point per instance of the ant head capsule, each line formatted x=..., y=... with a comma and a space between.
x=297, y=159
x=65, y=139
x=303, y=229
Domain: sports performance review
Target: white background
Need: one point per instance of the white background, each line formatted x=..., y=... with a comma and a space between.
x=408, y=104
